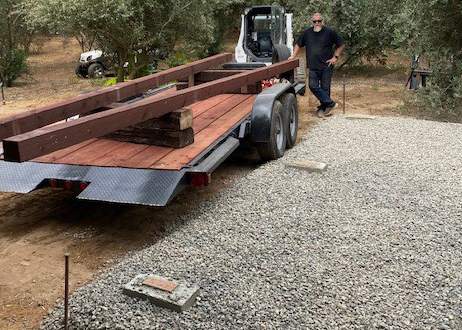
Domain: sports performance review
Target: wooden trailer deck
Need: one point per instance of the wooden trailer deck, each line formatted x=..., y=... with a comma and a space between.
x=213, y=118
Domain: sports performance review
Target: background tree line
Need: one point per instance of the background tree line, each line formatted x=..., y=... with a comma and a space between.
x=143, y=31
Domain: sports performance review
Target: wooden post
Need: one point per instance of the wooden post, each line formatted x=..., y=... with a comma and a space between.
x=191, y=80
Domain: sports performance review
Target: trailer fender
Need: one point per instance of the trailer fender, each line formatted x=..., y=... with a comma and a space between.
x=262, y=111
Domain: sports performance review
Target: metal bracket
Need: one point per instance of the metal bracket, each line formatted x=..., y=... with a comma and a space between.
x=218, y=156
x=244, y=129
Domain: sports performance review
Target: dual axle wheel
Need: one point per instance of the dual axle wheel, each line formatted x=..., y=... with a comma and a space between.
x=283, y=130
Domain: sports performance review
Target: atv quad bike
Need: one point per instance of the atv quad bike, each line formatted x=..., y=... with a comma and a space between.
x=92, y=65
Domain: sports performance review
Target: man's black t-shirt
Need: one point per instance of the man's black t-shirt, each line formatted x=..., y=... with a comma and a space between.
x=319, y=46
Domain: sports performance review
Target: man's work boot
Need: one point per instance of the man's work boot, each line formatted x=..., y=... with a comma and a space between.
x=320, y=113
x=329, y=109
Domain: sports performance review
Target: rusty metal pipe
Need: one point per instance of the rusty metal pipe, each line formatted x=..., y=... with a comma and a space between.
x=66, y=291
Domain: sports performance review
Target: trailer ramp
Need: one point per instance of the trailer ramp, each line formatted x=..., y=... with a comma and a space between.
x=117, y=185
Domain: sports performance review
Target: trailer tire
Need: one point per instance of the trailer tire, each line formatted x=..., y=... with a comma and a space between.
x=290, y=106
x=276, y=145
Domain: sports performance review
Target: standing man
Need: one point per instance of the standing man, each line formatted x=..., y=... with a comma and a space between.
x=319, y=42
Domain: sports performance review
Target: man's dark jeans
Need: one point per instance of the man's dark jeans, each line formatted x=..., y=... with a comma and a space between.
x=319, y=83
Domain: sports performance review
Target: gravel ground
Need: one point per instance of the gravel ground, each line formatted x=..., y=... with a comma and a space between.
x=373, y=243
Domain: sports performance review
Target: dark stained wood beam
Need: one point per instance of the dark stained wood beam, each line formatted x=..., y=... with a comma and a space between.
x=45, y=140
x=211, y=75
x=86, y=103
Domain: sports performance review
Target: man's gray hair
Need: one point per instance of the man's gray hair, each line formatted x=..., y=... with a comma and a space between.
x=317, y=14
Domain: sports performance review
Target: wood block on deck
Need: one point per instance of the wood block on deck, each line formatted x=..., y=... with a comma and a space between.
x=172, y=130
x=163, y=137
x=252, y=89
x=177, y=120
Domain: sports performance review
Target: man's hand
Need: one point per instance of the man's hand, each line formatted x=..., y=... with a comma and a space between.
x=292, y=57
x=332, y=61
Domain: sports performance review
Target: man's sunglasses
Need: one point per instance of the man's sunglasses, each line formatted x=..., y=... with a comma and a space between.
x=317, y=21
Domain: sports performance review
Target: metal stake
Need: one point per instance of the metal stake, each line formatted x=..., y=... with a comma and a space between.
x=66, y=291
x=3, y=94
x=344, y=95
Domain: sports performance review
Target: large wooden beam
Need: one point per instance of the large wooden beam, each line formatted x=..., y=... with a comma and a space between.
x=82, y=104
x=48, y=139
x=211, y=75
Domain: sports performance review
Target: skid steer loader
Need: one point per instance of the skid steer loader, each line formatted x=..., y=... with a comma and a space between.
x=266, y=37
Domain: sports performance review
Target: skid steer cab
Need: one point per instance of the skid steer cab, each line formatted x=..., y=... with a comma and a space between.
x=266, y=36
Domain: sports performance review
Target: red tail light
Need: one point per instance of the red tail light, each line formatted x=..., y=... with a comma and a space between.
x=200, y=179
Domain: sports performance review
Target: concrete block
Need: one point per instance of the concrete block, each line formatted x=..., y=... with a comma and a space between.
x=308, y=165
x=359, y=117
x=174, y=295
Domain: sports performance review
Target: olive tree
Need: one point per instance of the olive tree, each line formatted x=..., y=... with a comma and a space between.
x=133, y=31
x=433, y=28
x=13, y=41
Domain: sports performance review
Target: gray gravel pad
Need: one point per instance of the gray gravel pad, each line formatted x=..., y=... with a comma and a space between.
x=375, y=242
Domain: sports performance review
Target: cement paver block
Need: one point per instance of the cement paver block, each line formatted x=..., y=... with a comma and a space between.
x=175, y=295
x=359, y=117
x=308, y=165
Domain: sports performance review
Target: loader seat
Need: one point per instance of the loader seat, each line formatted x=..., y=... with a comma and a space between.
x=264, y=41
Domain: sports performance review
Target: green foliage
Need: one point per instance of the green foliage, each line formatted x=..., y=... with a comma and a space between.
x=367, y=26
x=14, y=41
x=105, y=82
x=136, y=31
x=143, y=32
x=434, y=29
x=176, y=59
x=12, y=65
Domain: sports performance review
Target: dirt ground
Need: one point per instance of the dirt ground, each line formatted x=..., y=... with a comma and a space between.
x=37, y=229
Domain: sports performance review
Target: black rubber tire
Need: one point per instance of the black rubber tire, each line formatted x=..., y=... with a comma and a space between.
x=290, y=108
x=93, y=70
x=272, y=150
x=282, y=53
x=79, y=72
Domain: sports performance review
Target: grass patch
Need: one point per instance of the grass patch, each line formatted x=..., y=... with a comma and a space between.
x=104, y=82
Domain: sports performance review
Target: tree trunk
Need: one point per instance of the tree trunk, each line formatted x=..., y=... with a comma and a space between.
x=120, y=74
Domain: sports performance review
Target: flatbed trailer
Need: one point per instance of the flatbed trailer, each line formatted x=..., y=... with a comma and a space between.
x=104, y=169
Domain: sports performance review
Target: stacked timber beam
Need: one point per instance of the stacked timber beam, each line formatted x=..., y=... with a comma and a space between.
x=26, y=137
x=171, y=130
x=86, y=103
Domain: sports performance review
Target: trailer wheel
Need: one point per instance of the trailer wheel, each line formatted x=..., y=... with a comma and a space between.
x=290, y=106
x=276, y=145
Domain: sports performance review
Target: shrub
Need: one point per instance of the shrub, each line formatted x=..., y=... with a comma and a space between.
x=179, y=58
x=12, y=64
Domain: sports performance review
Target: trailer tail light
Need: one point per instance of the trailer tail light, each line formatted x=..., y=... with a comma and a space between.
x=76, y=186
x=200, y=179
x=68, y=185
x=53, y=183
